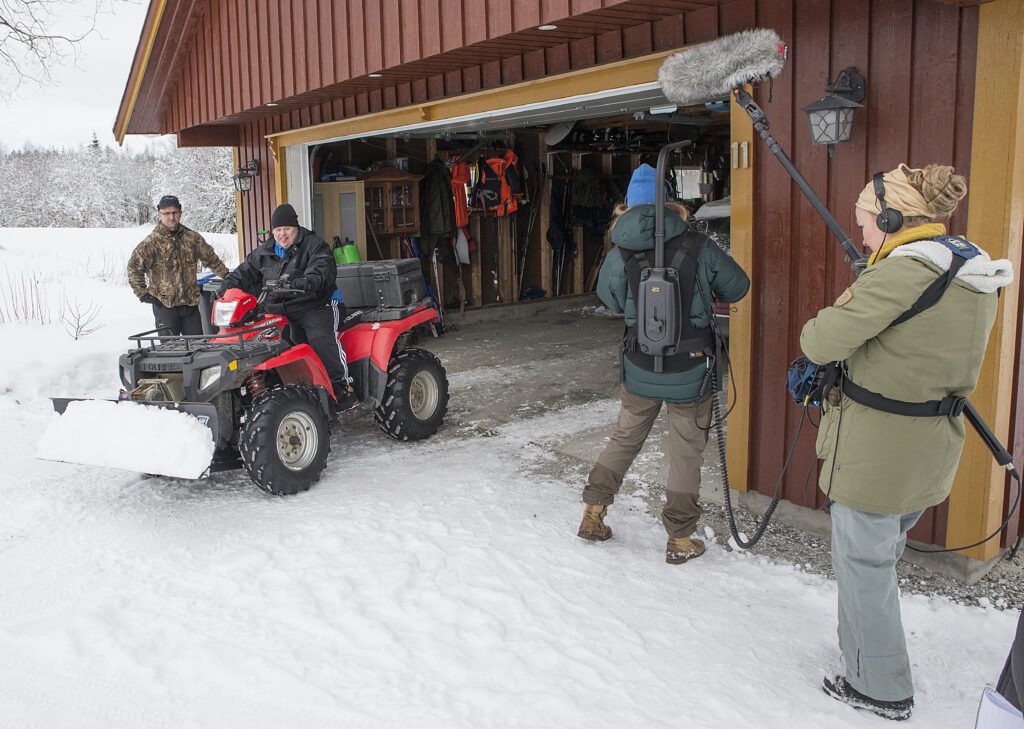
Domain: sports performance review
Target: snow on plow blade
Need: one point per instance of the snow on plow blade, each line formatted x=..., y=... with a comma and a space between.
x=162, y=438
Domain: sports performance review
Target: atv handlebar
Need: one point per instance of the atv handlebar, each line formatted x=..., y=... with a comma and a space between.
x=279, y=290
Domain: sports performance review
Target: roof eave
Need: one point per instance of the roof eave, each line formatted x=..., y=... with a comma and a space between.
x=140, y=63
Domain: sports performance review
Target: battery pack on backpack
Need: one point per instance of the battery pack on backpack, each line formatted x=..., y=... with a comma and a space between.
x=658, y=312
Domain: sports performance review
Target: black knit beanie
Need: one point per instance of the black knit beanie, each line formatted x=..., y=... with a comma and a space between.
x=284, y=216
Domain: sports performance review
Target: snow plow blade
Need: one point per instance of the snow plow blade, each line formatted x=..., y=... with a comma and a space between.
x=169, y=439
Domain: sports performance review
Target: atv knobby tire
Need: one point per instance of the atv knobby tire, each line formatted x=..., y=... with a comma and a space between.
x=284, y=442
x=415, y=397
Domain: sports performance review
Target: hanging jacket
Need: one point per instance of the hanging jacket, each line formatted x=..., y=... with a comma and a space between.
x=437, y=210
x=880, y=462
x=460, y=178
x=717, y=273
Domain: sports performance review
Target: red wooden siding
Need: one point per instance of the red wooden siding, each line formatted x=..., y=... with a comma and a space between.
x=919, y=67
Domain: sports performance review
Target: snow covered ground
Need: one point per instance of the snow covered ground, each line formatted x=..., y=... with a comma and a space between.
x=431, y=585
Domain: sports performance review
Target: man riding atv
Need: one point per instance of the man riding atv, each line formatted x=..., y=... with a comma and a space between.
x=304, y=259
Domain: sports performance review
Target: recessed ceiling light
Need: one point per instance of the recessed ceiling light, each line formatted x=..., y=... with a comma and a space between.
x=375, y=75
x=547, y=27
x=271, y=103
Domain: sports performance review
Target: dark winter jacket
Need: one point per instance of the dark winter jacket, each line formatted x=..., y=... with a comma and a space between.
x=717, y=272
x=164, y=265
x=309, y=257
x=437, y=207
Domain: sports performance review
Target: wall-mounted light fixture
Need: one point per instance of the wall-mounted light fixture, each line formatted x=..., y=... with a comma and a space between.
x=831, y=116
x=243, y=178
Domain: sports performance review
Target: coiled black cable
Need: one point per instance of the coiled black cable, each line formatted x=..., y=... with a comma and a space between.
x=762, y=525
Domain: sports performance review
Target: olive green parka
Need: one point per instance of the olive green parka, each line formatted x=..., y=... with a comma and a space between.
x=879, y=462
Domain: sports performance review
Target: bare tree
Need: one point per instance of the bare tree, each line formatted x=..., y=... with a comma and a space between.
x=34, y=38
x=80, y=320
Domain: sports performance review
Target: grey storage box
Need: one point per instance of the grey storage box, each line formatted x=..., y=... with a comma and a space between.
x=392, y=283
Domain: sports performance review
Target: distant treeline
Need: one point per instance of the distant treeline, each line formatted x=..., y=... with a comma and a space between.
x=100, y=187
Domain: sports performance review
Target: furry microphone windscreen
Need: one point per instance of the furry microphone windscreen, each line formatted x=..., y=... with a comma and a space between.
x=712, y=70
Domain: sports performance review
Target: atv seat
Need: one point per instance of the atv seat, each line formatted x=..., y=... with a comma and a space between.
x=353, y=317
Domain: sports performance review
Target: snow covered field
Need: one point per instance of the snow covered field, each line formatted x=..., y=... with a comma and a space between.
x=432, y=585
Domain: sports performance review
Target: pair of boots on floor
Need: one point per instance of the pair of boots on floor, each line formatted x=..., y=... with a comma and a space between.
x=677, y=551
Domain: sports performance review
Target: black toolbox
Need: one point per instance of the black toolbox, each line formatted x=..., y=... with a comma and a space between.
x=392, y=283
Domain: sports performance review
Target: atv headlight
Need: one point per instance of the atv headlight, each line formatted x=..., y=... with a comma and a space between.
x=208, y=376
x=223, y=311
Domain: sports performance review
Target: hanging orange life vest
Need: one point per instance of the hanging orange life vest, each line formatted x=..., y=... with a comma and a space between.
x=500, y=186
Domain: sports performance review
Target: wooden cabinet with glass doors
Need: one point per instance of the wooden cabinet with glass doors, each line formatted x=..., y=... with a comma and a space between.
x=393, y=203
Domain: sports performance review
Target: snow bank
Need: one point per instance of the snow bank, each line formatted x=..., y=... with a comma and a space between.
x=64, y=266
x=129, y=436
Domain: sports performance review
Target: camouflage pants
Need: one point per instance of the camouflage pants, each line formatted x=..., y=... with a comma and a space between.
x=687, y=438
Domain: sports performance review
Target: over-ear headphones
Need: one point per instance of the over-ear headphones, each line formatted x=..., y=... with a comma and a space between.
x=889, y=220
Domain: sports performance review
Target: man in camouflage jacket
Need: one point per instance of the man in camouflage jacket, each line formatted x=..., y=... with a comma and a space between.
x=162, y=271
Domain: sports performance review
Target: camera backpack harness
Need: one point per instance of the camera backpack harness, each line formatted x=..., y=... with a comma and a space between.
x=663, y=338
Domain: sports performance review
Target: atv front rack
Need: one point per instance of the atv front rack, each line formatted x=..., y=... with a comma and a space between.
x=186, y=357
x=153, y=343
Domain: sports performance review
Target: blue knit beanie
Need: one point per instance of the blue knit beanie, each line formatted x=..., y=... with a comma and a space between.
x=641, y=186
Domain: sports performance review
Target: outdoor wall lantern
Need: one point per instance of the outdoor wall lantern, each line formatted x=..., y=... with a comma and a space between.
x=831, y=116
x=243, y=178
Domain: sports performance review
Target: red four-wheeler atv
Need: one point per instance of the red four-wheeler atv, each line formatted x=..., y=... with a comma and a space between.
x=268, y=402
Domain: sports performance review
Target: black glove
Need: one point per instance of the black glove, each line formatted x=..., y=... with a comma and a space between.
x=302, y=283
x=219, y=293
x=148, y=298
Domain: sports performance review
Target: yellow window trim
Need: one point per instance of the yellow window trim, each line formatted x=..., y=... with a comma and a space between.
x=995, y=220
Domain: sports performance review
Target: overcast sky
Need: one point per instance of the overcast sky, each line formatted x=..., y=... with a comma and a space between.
x=82, y=100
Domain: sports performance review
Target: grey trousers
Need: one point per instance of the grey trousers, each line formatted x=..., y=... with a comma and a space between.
x=865, y=549
x=687, y=439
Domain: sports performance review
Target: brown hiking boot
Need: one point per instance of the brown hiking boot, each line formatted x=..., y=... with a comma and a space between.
x=683, y=549
x=593, y=527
